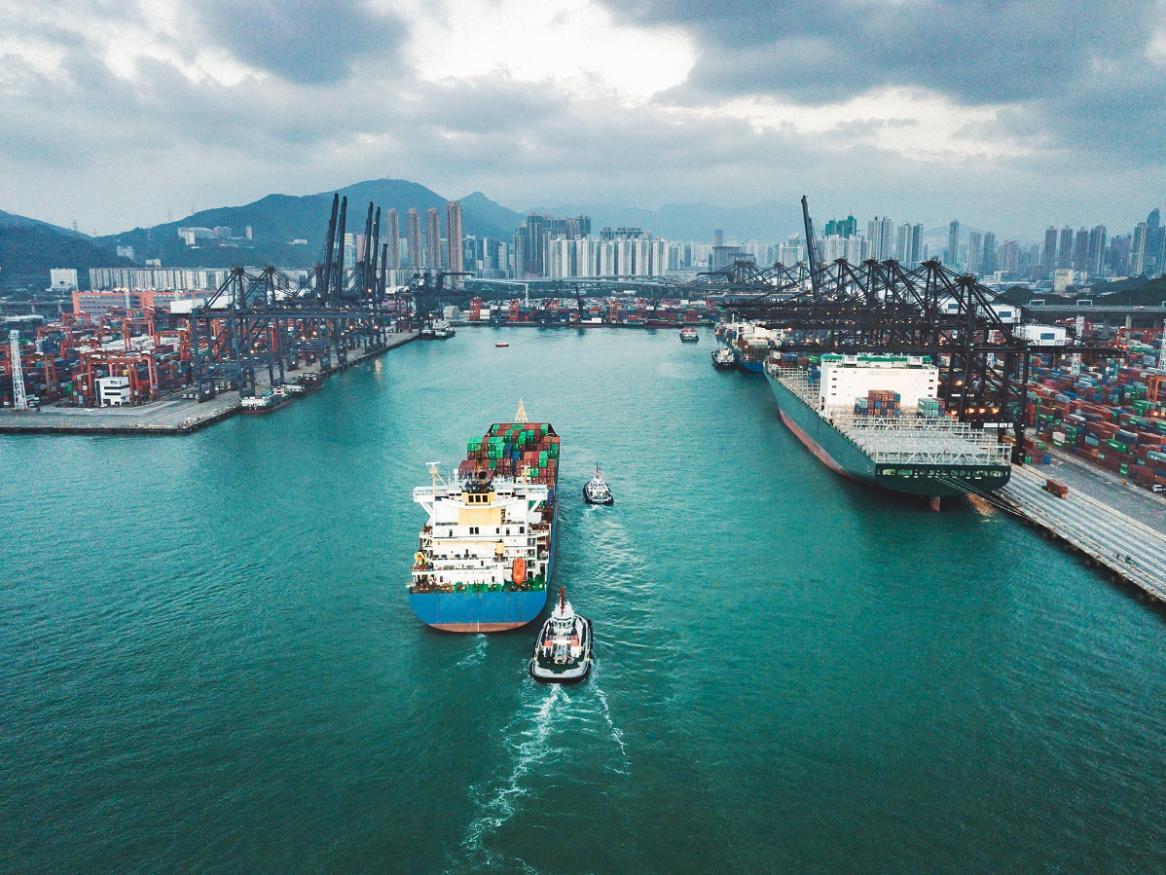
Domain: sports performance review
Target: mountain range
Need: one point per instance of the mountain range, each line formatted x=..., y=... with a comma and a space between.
x=28, y=247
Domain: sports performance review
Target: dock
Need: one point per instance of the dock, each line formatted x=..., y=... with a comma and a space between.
x=172, y=415
x=1130, y=550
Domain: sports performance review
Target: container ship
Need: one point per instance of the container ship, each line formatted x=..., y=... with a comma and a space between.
x=876, y=419
x=487, y=551
x=749, y=343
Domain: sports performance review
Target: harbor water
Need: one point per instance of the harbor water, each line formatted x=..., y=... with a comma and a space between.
x=207, y=660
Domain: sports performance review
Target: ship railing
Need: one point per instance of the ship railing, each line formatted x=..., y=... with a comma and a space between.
x=911, y=439
x=908, y=439
x=463, y=565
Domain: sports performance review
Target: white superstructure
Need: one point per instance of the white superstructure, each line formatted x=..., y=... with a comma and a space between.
x=489, y=531
x=847, y=377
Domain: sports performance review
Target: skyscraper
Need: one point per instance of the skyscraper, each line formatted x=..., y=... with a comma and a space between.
x=1081, y=251
x=1048, y=259
x=413, y=220
x=530, y=243
x=1096, y=258
x=847, y=227
x=1065, y=248
x=953, y=244
x=887, y=239
x=393, y=238
x=453, y=230
x=1010, y=257
x=1154, y=243
x=433, y=239
x=975, y=252
x=1138, y=250
x=881, y=235
x=988, y=262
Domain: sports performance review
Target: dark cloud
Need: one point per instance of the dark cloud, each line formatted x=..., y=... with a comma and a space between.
x=313, y=42
x=337, y=107
x=977, y=52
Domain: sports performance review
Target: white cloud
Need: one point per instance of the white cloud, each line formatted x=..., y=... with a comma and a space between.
x=916, y=124
x=575, y=44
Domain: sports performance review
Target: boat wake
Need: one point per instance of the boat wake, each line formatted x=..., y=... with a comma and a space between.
x=551, y=728
x=528, y=740
x=477, y=654
x=615, y=732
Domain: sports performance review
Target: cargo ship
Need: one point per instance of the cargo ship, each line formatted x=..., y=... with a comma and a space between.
x=749, y=343
x=876, y=419
x=487, y=551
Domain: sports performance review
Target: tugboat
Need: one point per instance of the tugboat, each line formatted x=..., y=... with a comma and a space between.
x=562, y=652
x=502, y=344
x=595, y=490
x=723, y=359
x=688, y=334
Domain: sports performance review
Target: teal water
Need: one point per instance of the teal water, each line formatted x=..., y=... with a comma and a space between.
x=207, y=660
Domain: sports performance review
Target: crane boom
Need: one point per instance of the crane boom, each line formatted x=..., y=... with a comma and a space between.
x=812, y=254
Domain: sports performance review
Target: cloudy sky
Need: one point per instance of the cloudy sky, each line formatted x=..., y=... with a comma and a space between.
x=1008, y=115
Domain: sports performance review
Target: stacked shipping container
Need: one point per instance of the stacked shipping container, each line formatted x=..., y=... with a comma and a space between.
x=878, y=402
x=1106, y=417
x=515, y=449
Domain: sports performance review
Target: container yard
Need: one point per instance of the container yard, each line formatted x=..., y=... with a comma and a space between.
x=157, y=362
x=170, y=409
x=1112, y=415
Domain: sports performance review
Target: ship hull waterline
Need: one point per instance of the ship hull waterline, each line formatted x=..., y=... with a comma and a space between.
x=840, y=454
x=472, y=612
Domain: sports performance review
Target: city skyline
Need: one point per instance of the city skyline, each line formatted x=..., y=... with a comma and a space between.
x=124, y=115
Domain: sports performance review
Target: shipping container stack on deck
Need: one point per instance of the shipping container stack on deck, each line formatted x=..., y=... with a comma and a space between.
x=878, y=402
x=514, y=449
x=1114, y=417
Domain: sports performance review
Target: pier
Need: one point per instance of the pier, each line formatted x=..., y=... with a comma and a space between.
x=171, y=415
x=1132, y=551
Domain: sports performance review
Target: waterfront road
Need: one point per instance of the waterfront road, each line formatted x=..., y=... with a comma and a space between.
x=1107, y=487
x=1123, y=544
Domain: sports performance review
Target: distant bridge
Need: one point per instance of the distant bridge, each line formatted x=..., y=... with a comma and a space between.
x=1114, y=315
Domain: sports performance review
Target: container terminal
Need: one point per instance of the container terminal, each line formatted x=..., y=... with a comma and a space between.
x=1001, y=397
x=923, y=381
x=162, y=363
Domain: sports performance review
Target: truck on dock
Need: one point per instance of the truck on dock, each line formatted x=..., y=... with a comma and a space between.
x=1056, y=487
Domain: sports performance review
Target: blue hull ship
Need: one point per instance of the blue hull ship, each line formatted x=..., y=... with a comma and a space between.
x=486, y=554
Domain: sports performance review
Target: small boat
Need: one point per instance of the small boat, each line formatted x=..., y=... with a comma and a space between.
x=596, y=491
x=437, y=329
x=723, y=359
x=502, y=344
x=267, y=402
x=562, y=651
x=688, y=334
